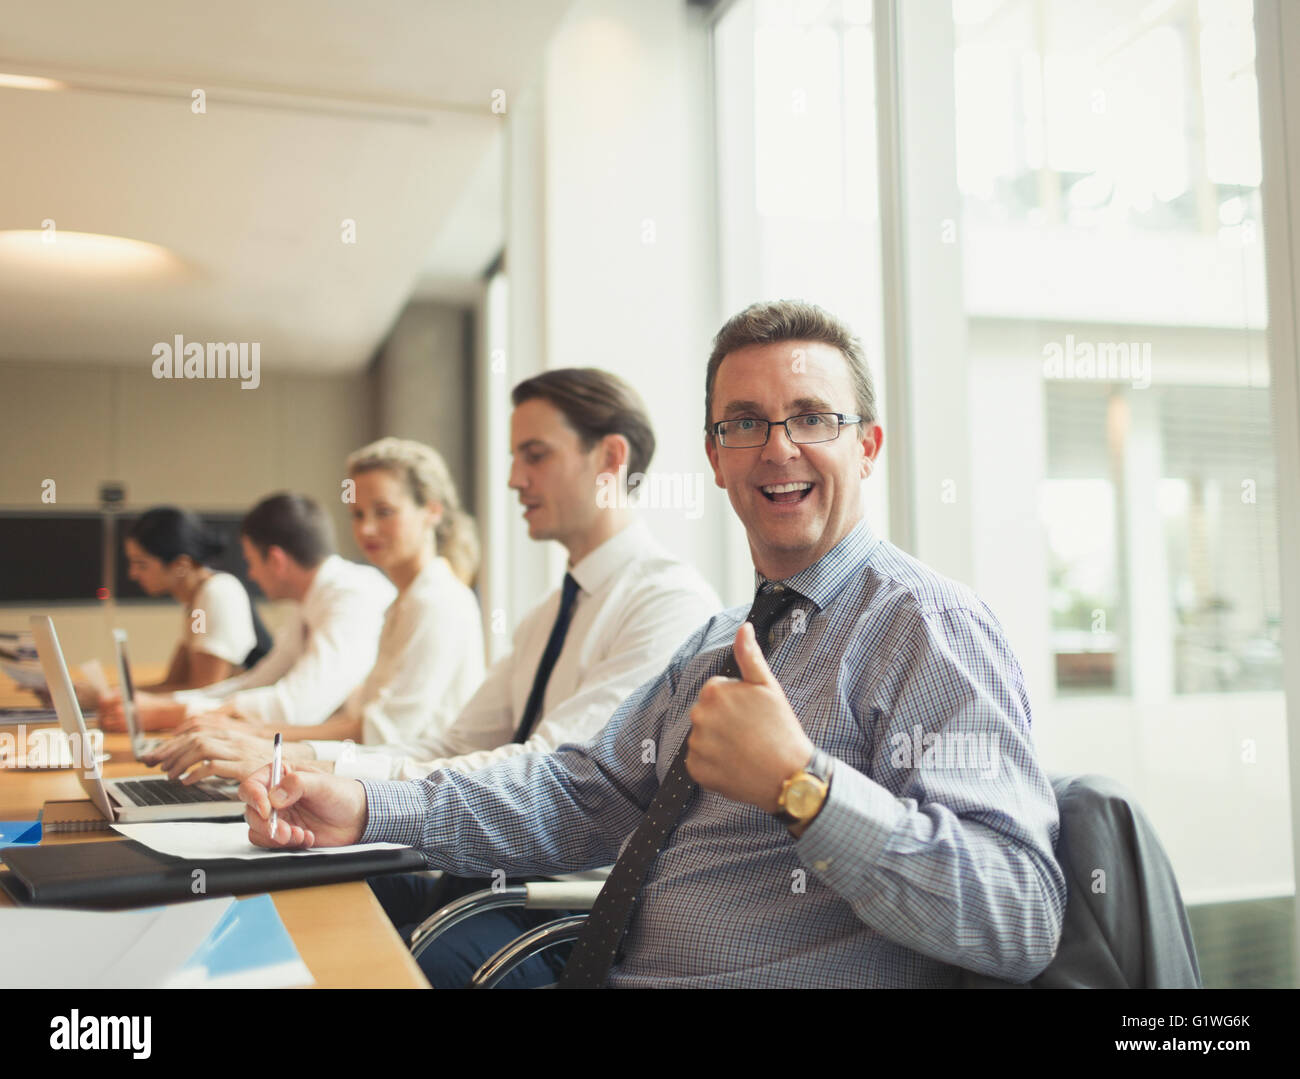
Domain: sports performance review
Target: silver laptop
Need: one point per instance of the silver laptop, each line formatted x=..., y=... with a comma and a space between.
x=147, y=798
x=140, y=745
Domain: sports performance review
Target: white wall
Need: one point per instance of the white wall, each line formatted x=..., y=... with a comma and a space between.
x=610, y=200
x=202, y=445
x=422, y=385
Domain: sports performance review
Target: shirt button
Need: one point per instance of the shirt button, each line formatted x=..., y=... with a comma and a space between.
x=822, y=865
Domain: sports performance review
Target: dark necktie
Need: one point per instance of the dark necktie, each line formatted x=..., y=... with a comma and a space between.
x=554, y=644
x=597, y=946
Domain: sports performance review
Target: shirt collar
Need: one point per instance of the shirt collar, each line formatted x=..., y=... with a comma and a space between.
x=325, y=573
x=426, y=580
x=824, y=579
x=594, y=571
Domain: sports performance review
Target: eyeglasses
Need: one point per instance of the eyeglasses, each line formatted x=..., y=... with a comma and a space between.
x=810, y=427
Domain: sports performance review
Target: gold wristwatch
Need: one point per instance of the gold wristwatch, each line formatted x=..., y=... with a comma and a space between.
x=804, y=793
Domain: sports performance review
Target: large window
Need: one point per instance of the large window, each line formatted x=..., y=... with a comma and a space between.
x=1108, y=162
x=1095, y=169
x=798, y=208
x=1108, y=172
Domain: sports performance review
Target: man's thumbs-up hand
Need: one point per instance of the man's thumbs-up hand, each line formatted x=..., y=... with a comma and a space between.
x=745, y=739
x=751, y=661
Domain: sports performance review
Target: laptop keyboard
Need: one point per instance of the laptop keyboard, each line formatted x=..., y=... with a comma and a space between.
x=170, y=792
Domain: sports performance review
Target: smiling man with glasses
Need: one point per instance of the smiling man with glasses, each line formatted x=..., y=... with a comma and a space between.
x=833, y=786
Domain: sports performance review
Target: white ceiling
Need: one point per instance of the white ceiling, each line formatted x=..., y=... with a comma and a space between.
x=317, y=111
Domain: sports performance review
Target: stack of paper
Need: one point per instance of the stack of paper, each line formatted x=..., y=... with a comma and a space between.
x=13, y=717
x=249, y=949
x=210, y=943
x=200, y=840
x=19, y=661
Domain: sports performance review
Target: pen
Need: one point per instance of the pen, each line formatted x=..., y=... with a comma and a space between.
x=276, y=766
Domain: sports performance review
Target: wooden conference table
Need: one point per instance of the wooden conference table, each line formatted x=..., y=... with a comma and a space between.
x=342, y=933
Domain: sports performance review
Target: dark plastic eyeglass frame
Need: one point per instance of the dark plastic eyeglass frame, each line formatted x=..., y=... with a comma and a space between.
x=844, y=418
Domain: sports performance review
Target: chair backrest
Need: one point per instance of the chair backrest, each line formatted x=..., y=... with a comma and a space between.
x=1125, y=924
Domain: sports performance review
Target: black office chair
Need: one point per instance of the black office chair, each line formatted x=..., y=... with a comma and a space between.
x=1134, y=934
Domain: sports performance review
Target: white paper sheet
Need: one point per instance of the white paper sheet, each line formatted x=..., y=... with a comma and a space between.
x=78, y=949
x=289, y=975
x=197, y=840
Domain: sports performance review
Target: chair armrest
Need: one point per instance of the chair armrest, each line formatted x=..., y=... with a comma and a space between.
x=460, y=909
x=525, y=947
x=562, y=894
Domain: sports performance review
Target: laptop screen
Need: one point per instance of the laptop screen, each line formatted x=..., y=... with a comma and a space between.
x=128, y=691
x=65, y=703
x=128, y=687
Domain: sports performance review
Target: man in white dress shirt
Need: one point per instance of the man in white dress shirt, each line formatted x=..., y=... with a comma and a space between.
x=632, y=604
x=325, y=647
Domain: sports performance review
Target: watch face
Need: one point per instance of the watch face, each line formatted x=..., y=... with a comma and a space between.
x=803, y=798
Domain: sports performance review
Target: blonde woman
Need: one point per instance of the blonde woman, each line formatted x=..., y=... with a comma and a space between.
x=407, y=518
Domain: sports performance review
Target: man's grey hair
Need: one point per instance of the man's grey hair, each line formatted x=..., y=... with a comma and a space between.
x=773, y=321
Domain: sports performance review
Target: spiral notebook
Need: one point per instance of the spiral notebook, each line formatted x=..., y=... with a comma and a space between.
x=73, y=815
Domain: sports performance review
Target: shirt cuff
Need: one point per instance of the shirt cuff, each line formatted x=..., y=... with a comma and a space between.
x=356, y=763
x=409, y=768
x=845, y=841
x=196, y=704
x=259, y=706
x=395, y=812
x=326, y=751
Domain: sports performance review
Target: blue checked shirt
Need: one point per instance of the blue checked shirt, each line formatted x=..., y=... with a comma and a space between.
x=932, y=852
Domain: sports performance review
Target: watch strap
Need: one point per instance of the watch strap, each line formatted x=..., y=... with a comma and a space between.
x=819, y=766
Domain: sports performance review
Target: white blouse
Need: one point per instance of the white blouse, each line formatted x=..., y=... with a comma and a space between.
x=219, y=620
x=430, y=662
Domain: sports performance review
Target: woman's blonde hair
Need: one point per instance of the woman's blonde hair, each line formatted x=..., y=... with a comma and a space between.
x=427, y=479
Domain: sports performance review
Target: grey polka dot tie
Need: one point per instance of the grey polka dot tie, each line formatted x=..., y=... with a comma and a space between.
x=596, y=949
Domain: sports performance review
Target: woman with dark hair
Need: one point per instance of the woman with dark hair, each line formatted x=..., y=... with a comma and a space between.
x=170, y=550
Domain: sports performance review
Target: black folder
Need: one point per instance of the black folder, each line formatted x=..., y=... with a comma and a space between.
x=123, y=873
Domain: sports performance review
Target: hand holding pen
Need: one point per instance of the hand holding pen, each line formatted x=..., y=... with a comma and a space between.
x=319, y=810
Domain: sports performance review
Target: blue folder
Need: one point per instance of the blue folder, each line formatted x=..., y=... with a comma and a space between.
x=249, y=936
x=15, y=833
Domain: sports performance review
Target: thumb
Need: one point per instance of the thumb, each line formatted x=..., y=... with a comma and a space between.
x=749, y=657
x=289, y=791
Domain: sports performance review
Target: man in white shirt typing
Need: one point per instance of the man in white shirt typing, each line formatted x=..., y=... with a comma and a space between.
x=325, y=647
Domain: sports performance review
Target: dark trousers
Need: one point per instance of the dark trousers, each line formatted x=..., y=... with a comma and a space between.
x=451, y=960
